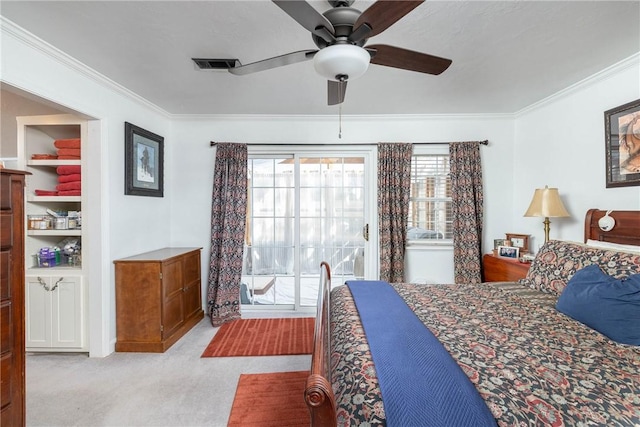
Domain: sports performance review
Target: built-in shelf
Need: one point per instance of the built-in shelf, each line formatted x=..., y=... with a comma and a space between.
x=32, y=198
x=68, y=270
x=52, y=163
x=67, y=232
x=56, y=298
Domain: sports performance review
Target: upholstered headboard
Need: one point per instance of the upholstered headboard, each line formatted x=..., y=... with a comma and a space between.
x=626, y=230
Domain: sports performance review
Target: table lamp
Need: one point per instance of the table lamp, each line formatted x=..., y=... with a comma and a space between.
x=546, y=203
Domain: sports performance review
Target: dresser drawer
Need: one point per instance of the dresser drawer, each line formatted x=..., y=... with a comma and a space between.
x=5, y=192
x=6, y=331
x=6, y=229
x=7, y=386
x=5, y=273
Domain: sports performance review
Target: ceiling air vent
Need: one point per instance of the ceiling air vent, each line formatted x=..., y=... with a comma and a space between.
x=215, y=63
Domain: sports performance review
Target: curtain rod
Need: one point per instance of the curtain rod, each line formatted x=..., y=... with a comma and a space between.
x=485, y=142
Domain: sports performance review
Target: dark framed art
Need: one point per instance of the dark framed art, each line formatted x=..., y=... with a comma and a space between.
x=143, y=162
x=622, y=134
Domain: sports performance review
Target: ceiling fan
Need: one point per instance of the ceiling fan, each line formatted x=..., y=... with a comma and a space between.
x=340, y=34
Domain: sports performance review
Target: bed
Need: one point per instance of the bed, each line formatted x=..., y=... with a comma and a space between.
x=530, y=364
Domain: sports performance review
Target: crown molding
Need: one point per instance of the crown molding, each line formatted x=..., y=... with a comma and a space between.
x=333, y=117
x=9, y=28
x=632, y=61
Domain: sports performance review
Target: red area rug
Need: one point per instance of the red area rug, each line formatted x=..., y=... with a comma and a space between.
x=270, y=400
x=262, y=337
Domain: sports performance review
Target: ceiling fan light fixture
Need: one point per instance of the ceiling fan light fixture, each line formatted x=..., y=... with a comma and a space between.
x=341, y=60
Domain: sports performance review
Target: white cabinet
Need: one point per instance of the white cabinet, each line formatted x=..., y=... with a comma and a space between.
x=56, y=297
x=54, y=313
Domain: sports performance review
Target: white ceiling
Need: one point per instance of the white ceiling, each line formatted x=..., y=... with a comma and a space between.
x=506, y=54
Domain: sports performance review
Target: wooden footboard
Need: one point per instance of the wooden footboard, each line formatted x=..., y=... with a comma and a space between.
x=318, y=392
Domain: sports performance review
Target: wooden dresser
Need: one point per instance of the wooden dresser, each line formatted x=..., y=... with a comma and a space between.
x=12, y=344
x=500, y=269
x=158, y=298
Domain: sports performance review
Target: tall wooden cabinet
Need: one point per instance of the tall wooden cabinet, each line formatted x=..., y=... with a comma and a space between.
x=158, y=298
x=12, y=347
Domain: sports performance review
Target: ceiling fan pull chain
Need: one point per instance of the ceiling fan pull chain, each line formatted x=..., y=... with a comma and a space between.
x=339, y=121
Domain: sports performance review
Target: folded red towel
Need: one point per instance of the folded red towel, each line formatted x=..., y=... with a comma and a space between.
x=43, y=157
x=69, y=178
x=68, y=157
x=69, y=152
x=67, y=143
x=75, y=185
x=68, y=169
x=46, y=193
x=69, y=193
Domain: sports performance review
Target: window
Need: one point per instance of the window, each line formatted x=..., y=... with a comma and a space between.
x=430, y=215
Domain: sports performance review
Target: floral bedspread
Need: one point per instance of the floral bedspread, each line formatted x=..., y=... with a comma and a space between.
x=532, y=365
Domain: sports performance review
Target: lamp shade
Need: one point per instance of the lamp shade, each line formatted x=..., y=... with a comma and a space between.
x=546, y=202
x=341, y=60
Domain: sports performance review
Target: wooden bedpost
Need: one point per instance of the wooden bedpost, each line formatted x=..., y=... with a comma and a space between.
x=318, y=393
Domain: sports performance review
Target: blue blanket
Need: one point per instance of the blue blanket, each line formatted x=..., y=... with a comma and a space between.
x=420, y=382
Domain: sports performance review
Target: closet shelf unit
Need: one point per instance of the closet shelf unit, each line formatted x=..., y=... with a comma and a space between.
x=56, y=295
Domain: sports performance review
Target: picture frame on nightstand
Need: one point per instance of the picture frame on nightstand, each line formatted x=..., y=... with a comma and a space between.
x=508, y=252
x=520, y=241
x=499, y=242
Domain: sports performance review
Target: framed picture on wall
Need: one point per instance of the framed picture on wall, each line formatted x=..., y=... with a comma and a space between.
x=622, y=140
x=143, y=162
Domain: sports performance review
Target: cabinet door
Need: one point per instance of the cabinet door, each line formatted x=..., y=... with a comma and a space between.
x=192, y=288
x=66, y=312
x=172, y=306
x=54, y=312
x=38, y=315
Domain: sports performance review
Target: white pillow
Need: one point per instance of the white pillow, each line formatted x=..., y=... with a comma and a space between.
x=613, y=246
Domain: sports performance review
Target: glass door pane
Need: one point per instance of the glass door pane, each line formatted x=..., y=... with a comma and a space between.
x=302, y=210
x=331, y=221
x=269, y=234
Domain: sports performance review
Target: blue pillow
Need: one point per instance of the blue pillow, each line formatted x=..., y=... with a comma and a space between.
x=610, y=306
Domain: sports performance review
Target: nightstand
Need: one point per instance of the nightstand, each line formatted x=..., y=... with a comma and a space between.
x=499, y=269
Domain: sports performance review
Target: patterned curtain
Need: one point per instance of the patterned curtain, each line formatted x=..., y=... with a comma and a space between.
x=228, y=215
x=394, y=188
x=467, y=197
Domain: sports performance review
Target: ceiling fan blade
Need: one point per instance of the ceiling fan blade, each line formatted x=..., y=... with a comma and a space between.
x=277, y=61
x=405, y=59
x=336, y=91
x=308, y=17
x=383, y=14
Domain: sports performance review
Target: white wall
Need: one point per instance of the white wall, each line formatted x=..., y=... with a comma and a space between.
x=561, y=143
x=119, y=225
x=12, y=106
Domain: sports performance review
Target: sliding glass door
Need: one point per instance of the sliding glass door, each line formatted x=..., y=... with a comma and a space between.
x=303, y=208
